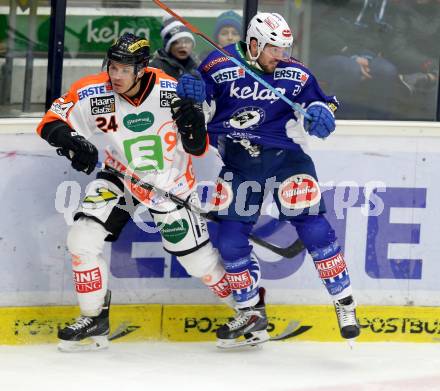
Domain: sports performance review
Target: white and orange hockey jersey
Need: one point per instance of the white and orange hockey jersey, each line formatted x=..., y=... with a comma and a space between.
x=142, y=137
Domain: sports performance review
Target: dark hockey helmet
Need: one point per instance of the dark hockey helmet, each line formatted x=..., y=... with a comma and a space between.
x=131, y=50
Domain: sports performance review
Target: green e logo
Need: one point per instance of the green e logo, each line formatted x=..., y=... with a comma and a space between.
x=144, y=153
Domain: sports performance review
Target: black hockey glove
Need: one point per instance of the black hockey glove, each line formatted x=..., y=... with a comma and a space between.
x=82, y=153
x=76, y=148
x=188, y=115
x=190, y=122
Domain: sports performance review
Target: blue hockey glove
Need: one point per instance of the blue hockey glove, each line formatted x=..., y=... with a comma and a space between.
x=191, y=87
x=323, y=120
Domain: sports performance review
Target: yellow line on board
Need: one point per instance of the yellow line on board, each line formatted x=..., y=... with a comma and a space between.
x=33, y=325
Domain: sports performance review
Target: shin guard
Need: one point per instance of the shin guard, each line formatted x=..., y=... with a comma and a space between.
x=85, y=242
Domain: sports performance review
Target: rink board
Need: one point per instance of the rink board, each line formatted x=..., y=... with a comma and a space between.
x=195, y=323
x=392, y=256
x=28, y=325
x=310, y=323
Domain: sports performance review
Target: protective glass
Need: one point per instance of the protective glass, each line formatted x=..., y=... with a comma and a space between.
x=120, y=70
x=278, y=53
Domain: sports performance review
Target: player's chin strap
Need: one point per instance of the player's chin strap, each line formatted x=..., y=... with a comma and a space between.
x=195, y=30
x=253, y=60
x=288, y=252
x=135, y=82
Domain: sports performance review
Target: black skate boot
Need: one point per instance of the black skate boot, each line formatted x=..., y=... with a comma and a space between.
x=247, y=328
x=88, y=332
x=346, y=313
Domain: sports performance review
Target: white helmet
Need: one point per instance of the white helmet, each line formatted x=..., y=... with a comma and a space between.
x=267, y=28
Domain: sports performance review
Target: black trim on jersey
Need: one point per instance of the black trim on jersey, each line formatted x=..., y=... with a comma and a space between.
x=148, y=80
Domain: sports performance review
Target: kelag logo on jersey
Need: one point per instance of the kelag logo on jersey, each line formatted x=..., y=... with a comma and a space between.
x=102, y=105
x=258, y=93
x=228, y=74
x=246, y=118
x=90, y=91
x=291, y=73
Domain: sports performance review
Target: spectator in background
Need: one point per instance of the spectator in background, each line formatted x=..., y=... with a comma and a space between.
x=415, y=49
x=228, y=28
x=348, y=56
x=176, y=56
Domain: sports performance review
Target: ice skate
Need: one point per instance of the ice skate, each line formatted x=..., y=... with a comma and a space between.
x=346, y=313
x=88, y=332
x=247, y=328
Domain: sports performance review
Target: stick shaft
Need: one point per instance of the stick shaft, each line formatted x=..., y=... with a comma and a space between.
x=288, y=252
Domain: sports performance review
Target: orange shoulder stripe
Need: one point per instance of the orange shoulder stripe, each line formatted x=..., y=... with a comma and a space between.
x=70, y=99
x=160, y=74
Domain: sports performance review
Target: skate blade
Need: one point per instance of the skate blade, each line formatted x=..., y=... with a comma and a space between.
x=257, y=338
x=86, y=345
x=351, y=342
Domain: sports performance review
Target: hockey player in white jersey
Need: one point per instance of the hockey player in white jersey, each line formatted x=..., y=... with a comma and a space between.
x=152, y=135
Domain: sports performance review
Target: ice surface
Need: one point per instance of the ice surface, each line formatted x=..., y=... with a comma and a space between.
x=276, y=366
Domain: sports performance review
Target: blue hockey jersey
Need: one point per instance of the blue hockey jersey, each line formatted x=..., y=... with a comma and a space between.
x=244, y=108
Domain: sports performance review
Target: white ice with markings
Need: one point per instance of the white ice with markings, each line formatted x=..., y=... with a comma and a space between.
x=277, y=366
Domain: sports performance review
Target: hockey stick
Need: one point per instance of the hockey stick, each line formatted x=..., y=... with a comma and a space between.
x=292, y=330
x=195, y=30
x=288, y=252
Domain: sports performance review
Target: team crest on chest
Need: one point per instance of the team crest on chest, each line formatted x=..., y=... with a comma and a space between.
x=246, y=118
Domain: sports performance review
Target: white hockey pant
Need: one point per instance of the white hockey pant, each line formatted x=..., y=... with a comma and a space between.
x=201, y=259
x=205, y=264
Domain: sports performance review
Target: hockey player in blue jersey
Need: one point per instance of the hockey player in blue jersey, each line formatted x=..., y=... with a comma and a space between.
x=263, y=145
